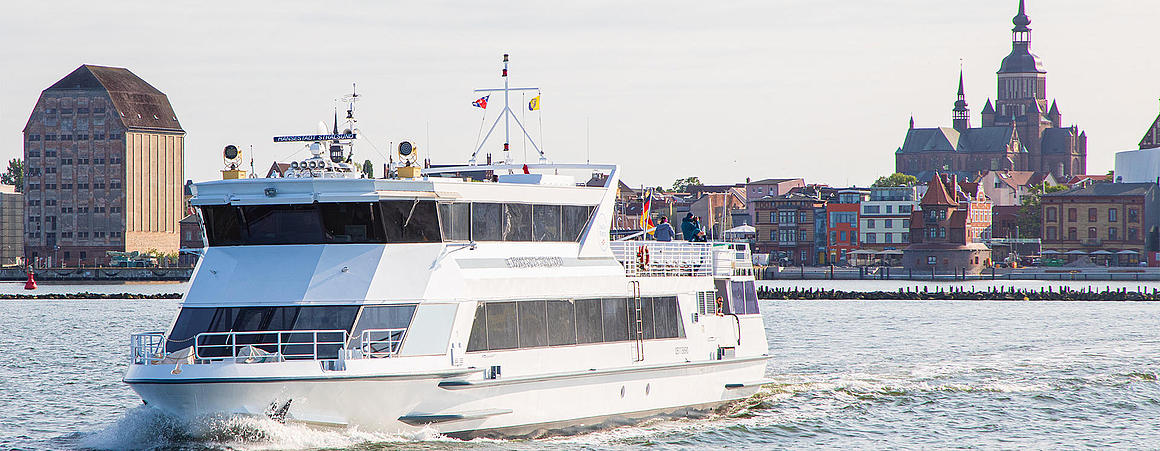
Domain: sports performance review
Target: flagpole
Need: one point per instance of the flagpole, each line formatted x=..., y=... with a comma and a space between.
x=507, y=156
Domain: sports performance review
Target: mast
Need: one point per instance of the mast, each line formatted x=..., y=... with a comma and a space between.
x=508, y=116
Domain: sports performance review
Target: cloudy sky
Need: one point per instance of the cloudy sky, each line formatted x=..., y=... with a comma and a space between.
x=722, y=90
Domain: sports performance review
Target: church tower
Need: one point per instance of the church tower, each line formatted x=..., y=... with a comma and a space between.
x=1022, y=79
x=961, y=115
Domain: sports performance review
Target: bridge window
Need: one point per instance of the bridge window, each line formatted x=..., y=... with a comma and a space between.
x=393, y=221
x=517, y=222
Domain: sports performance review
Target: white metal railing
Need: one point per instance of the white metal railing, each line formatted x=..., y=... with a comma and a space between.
x=664, y=258
x=147, y=347
x=286, y=344
x=378, y=343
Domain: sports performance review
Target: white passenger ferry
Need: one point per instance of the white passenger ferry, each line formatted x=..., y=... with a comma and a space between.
x=473, y=308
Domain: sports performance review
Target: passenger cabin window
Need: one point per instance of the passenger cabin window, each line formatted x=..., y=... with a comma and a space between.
x=379, y=319
x=533, y=324
x=193, y=321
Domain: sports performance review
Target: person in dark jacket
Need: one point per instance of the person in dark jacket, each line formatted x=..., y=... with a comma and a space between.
x=664, y=231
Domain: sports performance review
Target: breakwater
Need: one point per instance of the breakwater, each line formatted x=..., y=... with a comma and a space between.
x=958, y=294
x=89, y=295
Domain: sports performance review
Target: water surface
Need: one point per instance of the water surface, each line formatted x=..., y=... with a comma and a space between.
x=849, y=374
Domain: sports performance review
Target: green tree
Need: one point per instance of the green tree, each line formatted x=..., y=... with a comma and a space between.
x=680, y=185
x=14, y=175
x=895, y=179
x=1030, y=219
x=368, y=168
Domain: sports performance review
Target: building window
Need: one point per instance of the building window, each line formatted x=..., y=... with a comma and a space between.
x=1072, y=234
x=1091, y=233
x=888, y=238
x=772, y=235
x=888, y=223
x=889, y=209
x=870, y=238
x=1112, y=215
x=1093, y=215
x=786, y=216
x=870, y=209
x=1072, y=215
x=932, y=260
x=1112, y=232
x=773, y=217
x=942, y=232
x=904, y=208
x=1133, y=215
x=1051, y=232
x=869, y=223
x=1049, y=214
x=833, y=237
x=904, y=237
x=1133, y=233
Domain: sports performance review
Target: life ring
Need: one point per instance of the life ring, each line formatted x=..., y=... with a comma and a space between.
x=642, y=257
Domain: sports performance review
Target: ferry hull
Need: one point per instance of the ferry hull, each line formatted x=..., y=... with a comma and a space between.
x=516, y=407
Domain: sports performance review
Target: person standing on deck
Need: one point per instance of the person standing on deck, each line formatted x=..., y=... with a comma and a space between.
x=664, y=231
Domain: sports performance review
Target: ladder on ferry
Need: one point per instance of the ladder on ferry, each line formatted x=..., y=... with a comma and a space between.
x=639, y=323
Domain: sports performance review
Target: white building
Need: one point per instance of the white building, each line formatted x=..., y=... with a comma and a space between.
x=1138, y=166
x=884, y=220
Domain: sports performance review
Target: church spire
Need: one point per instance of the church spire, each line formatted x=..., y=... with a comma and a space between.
x=961, y=115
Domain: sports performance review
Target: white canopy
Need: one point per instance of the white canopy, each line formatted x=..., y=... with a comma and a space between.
x=742, y=229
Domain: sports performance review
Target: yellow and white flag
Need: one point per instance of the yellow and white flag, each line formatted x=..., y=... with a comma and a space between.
x=534, y=104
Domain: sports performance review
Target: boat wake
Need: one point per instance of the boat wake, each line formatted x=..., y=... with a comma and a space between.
x=147, y=428
x=792, y=406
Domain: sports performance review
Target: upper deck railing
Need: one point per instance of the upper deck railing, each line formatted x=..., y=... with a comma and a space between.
x=681, y=258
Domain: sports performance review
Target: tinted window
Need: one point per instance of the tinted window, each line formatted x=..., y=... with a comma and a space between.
x=589, y=322
x=517, y=222
x=334, y=223
x=501, y=325
x=751, y=297
x=281, y=224
x=574, y=219
x=646, y=318
x=561, y=323
x=615, y=313
x=223, y=224
x=546, y=222
x=190, y=322
x=666, y=317
x=478, y=339
x=736, y=304
x=253, y=319
x=408, y=221
x=533, y=317
x=486, y=221
x=382, y=317
x=352, y=223
x=456, y=221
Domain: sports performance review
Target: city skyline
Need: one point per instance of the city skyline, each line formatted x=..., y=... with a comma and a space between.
x=820, y=90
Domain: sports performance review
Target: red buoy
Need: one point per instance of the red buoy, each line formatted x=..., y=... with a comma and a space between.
x=31, y=283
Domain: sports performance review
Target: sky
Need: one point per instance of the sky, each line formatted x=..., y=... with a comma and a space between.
x=720, y=90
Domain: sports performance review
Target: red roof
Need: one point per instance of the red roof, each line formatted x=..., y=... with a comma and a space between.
x=936, y=193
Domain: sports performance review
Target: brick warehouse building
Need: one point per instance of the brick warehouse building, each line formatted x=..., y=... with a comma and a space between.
x=103, y=169
x=1022, y=131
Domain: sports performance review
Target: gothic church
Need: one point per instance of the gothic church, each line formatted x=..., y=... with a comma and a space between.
x=1020, y=132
